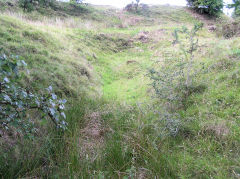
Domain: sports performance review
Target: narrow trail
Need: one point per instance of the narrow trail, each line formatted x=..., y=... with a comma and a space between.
x=125, y=78
x=125, y=72
x=92, y=136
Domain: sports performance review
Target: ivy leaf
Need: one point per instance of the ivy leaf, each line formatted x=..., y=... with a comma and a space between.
x=7, y=98
x=24, y=94
x=61, y=107
x=64, y=101
x=6, y=80
x=37, y=102
x=52, y=111
x=54, y=96
x=24, y=63
x=4, y=57
x=63, y=115
x=15, y=70
x=49, y=89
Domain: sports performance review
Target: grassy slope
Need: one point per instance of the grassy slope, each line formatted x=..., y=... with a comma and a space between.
x=76, y=54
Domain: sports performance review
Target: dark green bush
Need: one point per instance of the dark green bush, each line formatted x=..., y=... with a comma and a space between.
x=30, y=5
x=210, y=7
x=27, y=5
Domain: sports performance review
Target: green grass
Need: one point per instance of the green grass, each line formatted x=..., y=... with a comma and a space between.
x=101, y=68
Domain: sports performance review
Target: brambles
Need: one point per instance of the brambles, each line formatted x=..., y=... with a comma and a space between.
x=17, y=103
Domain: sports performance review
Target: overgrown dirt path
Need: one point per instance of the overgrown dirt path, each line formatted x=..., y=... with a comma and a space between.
x=124, y=134
x=124, y=70
x=130, y=136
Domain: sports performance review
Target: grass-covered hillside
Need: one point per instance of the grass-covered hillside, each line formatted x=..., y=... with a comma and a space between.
x=99, y=59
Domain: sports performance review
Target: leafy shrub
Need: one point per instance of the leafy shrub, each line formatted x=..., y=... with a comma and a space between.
x=17, y=103
x=174, y=81
x=211, y=7
x=26, y=5
x=30, y=5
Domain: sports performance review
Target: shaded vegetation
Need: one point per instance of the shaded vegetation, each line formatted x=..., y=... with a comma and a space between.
x=211, y=7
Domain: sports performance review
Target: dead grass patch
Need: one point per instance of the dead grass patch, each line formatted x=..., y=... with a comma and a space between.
x=219, y=130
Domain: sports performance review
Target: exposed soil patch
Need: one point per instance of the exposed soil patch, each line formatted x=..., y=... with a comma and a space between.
x=112, y=42
x=127, y=20
x=143, y=37
x=219, y=130
x=8, y=139
x=131, y=61
x=151, y=36
x=94, y=126
x=92, y=136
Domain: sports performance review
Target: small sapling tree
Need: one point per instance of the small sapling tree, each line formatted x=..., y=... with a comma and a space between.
x=173, y=82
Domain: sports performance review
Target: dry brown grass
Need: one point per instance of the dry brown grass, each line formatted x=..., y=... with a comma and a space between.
x=219, y=130
x=91, y=138
x=59, y=22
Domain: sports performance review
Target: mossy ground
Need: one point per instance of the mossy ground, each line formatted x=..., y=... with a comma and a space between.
x=100, y=60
